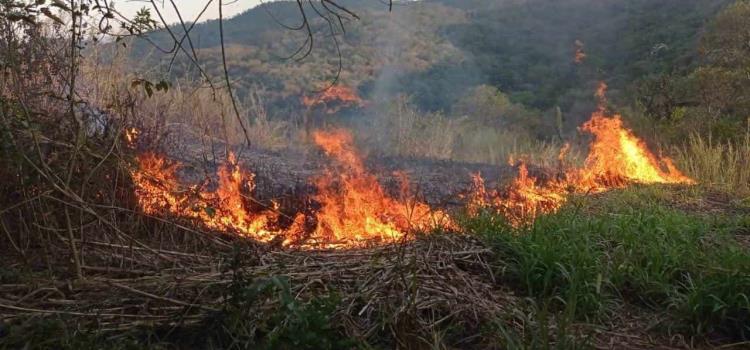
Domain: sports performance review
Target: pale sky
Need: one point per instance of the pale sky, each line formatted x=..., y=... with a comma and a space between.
x=189, y=9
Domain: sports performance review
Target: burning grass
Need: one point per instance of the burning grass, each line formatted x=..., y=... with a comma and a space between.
x=352, y=208
x=98, y=253
x=620, y=268
x=616, y=159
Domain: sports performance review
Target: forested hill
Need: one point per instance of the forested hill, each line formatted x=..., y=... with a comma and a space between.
x=435, y=50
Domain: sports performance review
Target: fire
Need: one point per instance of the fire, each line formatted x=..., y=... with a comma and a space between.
x=520, y=202
x=131, y=135
x=333, y=99
x=350, y=208
x=617, y=157
x=355, y=208
x=580, y=54
x=160, y=192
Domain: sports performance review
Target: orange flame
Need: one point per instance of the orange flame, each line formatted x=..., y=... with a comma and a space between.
x=334, y=98
x=616, y=158
x=159, y=191
x=355, y=208
x=580, y=54
x=131, y=136
x=520, y=202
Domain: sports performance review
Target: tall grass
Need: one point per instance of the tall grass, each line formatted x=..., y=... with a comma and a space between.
x=189, y=110
x=723, y=165
x=404, y=131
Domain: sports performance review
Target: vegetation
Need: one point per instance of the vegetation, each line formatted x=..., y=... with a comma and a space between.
x=474, y=81
x=591, y=258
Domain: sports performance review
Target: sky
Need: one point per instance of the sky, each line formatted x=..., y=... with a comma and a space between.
x=188, y=8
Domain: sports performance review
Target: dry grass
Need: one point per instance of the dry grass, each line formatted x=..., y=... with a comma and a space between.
x=718, y=165
x=189, y=110
x=401, y=130
x=407, y=292
x=84, y=251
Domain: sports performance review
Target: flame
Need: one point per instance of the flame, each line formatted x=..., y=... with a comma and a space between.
x=334, y=98
x=131, y=136
x=355, y=208
x=160, y=192
x=520, y=202
x=352, y=208
x=617, y=158
x=580, y=54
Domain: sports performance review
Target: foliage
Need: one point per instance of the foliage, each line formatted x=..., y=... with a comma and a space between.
x=679, y=62
x=57, y=333
x=488, y=106
x=708, y=97
x=587, y=259
x=290, y=325
x=240, y=324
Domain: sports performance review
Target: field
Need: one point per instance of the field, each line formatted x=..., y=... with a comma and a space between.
x=647, y=266
x=216, y=198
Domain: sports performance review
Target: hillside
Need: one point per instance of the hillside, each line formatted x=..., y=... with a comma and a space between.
x=484, y=174
x=432, y=49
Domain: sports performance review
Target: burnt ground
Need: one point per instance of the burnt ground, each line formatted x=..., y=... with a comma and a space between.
x=287, y=175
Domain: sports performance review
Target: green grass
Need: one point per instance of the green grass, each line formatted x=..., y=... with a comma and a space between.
x=629, y=248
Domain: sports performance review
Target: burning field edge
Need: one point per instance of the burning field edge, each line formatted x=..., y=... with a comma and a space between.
x=355, y=259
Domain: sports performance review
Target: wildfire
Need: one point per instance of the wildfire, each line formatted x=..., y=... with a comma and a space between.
x=616, y=158
x=354, y=207
x=160, y=192
x=580, y=54
x=333, y=99
x=520, y=202
x=350, y=208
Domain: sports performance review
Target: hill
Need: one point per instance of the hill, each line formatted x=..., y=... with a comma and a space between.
x=435, y=51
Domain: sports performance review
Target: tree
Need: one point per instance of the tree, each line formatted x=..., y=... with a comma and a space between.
x=722, y=82
x=727, y=41
x=489, y=106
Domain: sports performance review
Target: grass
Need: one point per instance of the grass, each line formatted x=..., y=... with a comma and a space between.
x=582, y=268
x=627, y=249
x=722, y=165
